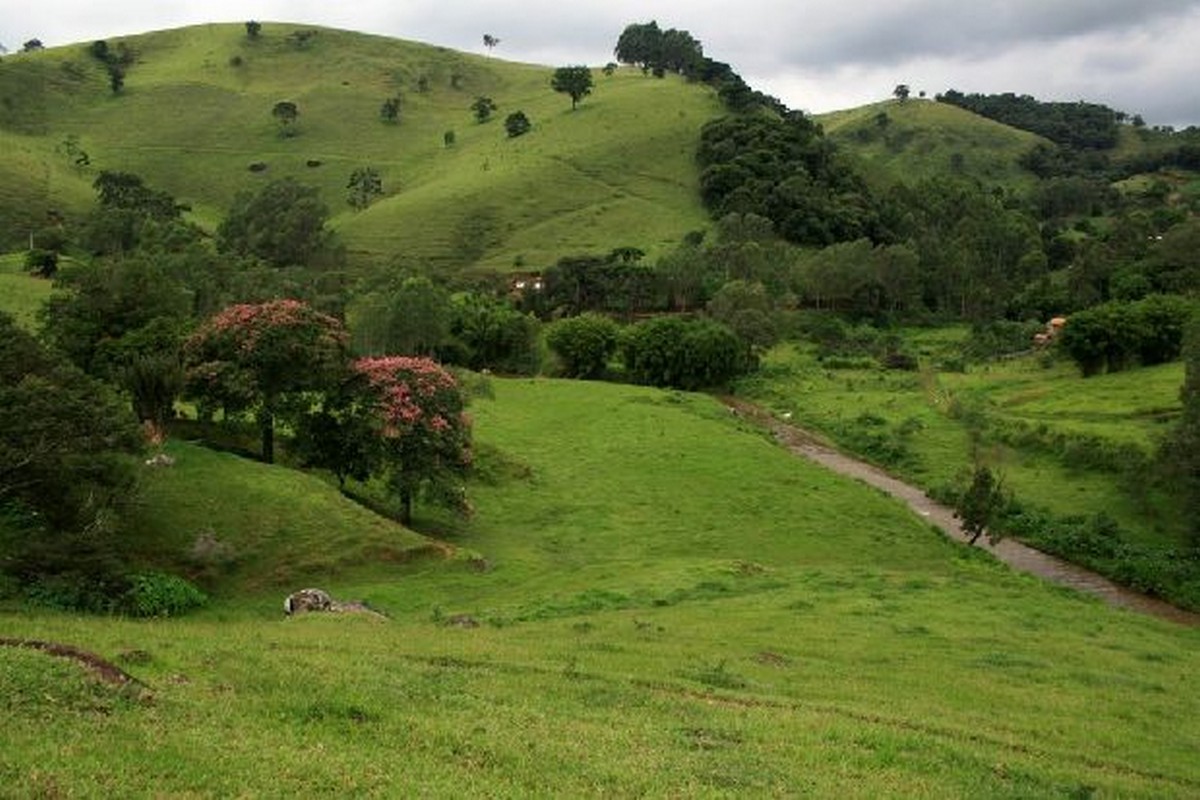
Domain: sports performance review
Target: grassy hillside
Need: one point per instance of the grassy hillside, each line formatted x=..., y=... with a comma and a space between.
x=915, y=139
x=195, y=113
x=21, y=295
x=671, y=605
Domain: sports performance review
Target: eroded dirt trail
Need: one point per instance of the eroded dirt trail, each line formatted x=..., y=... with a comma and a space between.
x=1013, y=553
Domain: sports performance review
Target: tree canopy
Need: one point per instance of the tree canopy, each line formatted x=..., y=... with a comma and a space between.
x=282, y=224
x=575, y=81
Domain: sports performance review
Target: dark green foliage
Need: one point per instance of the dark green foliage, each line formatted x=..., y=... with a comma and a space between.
x=784, y=169
x=1078, y=124
x=517, y=124
x=684, y=353
x=127, y=192
x=1000, y=337
x=612, y=282
x=659, y=51
x=1111, y=336
x=980, y=503
x=482, y=108
x=747, y=309
x=389, y=111
x=1180, y=453
x=65, y=471
x=575, y=81
x=410, y=318
x=583, y=344
x=156, y=594
x=363, y=187
x=116, y=61
x=286, y=113
x=43, y=263
x=283, y=224
x=488, y=333
x=253, y=29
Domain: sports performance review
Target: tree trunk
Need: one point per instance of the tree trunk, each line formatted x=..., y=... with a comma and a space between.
x=406, y=507
x=266, y=421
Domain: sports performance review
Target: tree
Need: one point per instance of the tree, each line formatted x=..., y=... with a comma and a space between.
x=488, y=333
x=283, y=224
x=448, y=138
x=901, y=92
x=575, y=81
x=684, y=354
x=490, y=41
x=390, y=110
x=1181, y=451
x=264, y=358
x=517, y=124
x=425, y=436
x=980, y=504
x=483, y=108
x=32, y=46
x=364, y=186
x=253, y=29
x=410, y=319
x=583, y=344
x=286, y=112
x=65, y=471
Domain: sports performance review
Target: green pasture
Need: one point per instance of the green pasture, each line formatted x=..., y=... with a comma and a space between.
x=918, y=139
x=857, y=407
x=195, y=114
x=660, y=601
x=21, y=294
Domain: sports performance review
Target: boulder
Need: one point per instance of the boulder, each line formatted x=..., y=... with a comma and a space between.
x=307, y=600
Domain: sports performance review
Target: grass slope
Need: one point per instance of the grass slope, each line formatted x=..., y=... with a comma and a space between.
x=925, y=139
x=195, y=113
x=21, y=294
x=860, y=407
x=674, y=606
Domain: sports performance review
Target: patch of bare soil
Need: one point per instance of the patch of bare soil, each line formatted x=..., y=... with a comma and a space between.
x=1019, y=556
x=102, y=669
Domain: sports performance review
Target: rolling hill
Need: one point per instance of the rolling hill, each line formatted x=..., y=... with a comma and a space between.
x=195, y=114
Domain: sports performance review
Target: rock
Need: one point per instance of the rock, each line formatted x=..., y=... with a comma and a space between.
x=307, y=600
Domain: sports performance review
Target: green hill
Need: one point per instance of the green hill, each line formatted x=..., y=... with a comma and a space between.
x=915, y=139
x=670, y=605
x=195, y=114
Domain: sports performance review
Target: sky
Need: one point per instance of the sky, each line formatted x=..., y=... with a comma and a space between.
x=1138, y=56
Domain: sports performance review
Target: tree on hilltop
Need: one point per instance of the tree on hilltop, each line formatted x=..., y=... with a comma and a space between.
x=901, y=92
x=575, y=81
x=490, y=41
x=253, y=29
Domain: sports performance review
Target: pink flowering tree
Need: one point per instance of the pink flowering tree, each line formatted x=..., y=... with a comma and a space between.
x=266, y=358
x=423, y=434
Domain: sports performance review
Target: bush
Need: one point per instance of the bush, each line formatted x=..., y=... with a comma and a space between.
x=1112, y=335
x=156, y=594
x=684, y=354
x=583, y=344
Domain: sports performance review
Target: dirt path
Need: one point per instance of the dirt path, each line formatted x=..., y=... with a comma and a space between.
x=1013, y=553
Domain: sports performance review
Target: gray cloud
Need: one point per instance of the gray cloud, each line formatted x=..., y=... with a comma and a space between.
x=1141, y=57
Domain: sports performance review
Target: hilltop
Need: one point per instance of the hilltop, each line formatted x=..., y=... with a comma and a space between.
x=194, y=115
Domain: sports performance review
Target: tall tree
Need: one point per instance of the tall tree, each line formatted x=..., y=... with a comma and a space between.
x=284, y=224
x=264, y=358
x=286, y=113
x=490, y=41
x=575, y=81
x=364, y=186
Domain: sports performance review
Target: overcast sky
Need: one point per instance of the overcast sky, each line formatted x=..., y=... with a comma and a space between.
x=1140, y=56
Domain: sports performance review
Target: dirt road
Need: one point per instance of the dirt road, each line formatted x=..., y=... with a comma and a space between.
x=1013, y=553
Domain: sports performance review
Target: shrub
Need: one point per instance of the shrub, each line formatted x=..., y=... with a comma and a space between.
x=583, y=344
x=156, y=594
x=684, y=354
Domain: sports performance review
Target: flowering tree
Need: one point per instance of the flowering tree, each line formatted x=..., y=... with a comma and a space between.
x=424, y=437
x=264, y=357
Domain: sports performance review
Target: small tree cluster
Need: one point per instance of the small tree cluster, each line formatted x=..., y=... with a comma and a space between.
x=1111, y=336
x=482, y=108
x=389, y=111
x=583, y=344
x=517, y=124
x=116, y=61
x=286, y=113
x=684, y=354
x=364, y=186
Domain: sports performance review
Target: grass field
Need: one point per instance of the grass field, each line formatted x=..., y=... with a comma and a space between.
x=671, y=605
x=195, y=114
x=915, y=139
x=21, y=295
x=1045, y=426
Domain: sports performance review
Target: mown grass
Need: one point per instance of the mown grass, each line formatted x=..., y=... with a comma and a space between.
x=670, y=605
x=195, y=113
